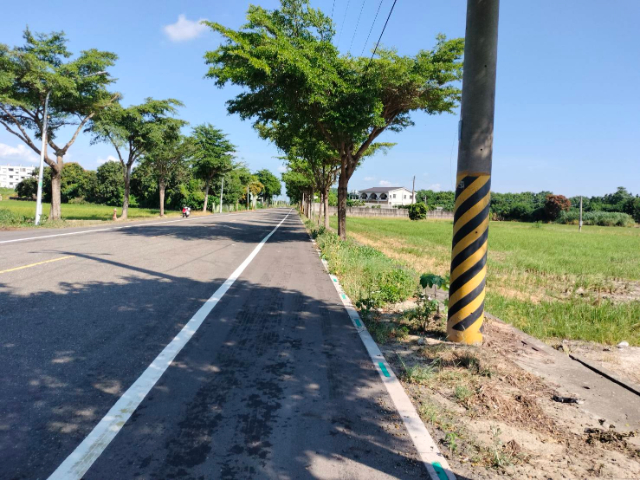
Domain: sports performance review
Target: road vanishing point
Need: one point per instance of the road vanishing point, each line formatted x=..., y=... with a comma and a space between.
x=212, y=347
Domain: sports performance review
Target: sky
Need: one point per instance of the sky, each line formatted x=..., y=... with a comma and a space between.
x=567, y=101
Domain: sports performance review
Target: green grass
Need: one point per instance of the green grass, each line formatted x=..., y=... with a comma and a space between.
x=6, y=192
x=549, y=280
x=15, y=209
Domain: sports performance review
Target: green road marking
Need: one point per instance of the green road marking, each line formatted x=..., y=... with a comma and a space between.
x=335, y=280
x=439, y=471
x=344, y=296
x=385, y=372
x=358, y=324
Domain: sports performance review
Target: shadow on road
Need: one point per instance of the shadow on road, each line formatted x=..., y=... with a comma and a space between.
x=275, y=384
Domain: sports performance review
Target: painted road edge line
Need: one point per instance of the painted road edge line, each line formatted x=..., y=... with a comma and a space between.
x=435, y=463
x=97, y=230
x=85, y=454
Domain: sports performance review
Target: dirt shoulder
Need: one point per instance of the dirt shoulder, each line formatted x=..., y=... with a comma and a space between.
x=495, y=411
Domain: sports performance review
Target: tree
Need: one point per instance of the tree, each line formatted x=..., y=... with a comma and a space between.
x=167, y=158
x=75, y=182
x=417, y=211
x=110, y=188
x=554, y=205
x=134, y=131
x=295, y=77
x=214, y=156
x=254, y=188
x=235, y=184
x=271, y=184
x=297, y=183
x=27, y=188
x=77, y=91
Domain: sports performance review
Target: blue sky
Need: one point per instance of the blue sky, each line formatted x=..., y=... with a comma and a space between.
x=567, y=108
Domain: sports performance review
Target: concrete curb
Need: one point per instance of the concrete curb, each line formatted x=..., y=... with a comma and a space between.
x=433, y=460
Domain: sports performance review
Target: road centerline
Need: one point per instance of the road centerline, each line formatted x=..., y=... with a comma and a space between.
x=35, y=264
x=80, y=460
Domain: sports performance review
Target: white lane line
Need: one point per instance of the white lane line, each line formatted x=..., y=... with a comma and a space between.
x=112, y=228
x=81, y=459
x=435, y=463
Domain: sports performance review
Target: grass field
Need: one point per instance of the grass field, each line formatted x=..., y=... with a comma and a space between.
x=549, y=280
x=73, y=211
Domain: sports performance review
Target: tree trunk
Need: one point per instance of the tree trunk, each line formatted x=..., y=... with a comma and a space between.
x=56, y=179
x=325, y=199
x=127, y=188
x=343, y=182
x=206, y=197
x=161, y=188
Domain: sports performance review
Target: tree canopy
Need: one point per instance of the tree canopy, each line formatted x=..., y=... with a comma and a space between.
x=76, y=88
x=295, y=80
x=135, y=131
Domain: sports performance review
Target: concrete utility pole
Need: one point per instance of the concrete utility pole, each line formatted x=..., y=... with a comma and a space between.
x=42, y=154
x=471, y=211
x=580, y=224
x=413, y=190
x=221, y=193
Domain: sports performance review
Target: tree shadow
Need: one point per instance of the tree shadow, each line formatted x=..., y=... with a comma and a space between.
x=233, y=228
x=275, y=384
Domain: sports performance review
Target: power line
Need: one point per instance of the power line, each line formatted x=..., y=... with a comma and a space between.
x=333, y=7
x=357, y=23
x=382, y=33
x=371, y=29
x=343, y=20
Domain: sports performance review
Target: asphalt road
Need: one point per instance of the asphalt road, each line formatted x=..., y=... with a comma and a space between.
x=275, y=383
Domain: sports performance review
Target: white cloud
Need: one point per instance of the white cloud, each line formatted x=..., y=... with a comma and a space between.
x=184, y=29
x=369, y=179
x=282, y=169
x=384, y=183
x=110, y=158
x=17, y=154
x=436, y=187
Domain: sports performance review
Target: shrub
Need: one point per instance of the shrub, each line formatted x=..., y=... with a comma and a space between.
x=9, y=218
x=27, y=188
x=554, y=205
x=604, y=219
x=417, y=211
x=366, y=274
x=634, y=209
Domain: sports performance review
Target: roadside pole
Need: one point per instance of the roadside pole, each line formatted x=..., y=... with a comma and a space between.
x=580, y=224
x=221, y=193
x=42, y=154
x=471, y=211
x=413, y=191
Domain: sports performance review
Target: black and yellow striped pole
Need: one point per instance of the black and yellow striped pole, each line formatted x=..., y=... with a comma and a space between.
x=473, y=191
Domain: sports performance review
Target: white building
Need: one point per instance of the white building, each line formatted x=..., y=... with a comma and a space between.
x=12, y=175
x=386, y=196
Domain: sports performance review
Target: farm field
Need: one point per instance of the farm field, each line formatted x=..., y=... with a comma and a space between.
x=548, y=280
x=75, y=211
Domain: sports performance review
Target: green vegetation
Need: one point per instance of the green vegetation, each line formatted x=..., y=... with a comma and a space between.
x=15, y=212
x=367, y=275
x=40, y=73
x=547, y=279
x=603, y=219
x=305, y=96
x=533, y=207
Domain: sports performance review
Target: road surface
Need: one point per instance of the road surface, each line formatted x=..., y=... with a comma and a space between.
x=275, y=382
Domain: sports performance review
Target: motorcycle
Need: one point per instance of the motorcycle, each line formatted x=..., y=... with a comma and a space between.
x=186, y=212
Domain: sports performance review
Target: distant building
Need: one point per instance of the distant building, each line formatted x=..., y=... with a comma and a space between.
x=386, y=196
x=12, y=175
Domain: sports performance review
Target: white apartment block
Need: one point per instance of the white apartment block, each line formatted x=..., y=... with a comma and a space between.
x=12, y=175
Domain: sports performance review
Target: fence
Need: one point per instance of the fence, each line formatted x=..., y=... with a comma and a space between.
x=381, y=212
